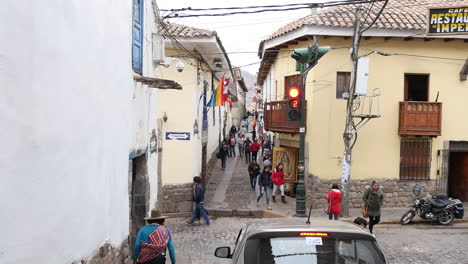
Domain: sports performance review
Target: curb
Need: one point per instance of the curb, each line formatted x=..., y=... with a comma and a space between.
x=271, y=214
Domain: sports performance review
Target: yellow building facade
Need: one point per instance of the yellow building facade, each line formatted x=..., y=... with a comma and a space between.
x=402, y=68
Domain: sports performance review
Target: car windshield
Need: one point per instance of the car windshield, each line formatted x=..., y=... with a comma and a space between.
x=298, y=250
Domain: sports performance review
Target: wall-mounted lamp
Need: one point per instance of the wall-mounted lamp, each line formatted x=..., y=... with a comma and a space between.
x=165, y=117
x=217, y=62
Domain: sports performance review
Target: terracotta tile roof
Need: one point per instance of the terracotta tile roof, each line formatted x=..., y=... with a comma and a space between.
x=398, y=15
x=183, y=31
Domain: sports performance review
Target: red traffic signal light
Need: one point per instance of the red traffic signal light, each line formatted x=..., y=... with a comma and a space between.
x=293, y=92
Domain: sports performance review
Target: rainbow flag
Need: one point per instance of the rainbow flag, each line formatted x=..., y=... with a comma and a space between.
x=216, y=98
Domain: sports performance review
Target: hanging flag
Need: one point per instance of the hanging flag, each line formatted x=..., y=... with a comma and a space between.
x=219, y=93
x=210, y=103
x=226, y=90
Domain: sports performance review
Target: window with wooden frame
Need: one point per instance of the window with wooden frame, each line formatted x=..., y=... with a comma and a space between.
x=291, y=81
x=342, y=83
x=415, y=159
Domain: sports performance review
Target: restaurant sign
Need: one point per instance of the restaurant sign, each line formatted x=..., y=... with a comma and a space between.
x=448, y=21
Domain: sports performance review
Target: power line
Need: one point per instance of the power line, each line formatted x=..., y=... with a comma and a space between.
x=250, y=7
x=276, y=9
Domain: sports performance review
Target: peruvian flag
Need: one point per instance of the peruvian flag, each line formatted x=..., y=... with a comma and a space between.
x=225, y=90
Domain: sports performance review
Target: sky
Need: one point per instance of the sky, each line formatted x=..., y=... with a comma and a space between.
x=238, y=33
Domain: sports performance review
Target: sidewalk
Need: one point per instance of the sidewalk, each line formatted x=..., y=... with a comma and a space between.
x=229, y=194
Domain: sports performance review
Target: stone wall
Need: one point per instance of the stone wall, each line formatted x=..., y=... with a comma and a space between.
x=177, y=198
x=397, y=193
x=107, y=254
x=209, y=167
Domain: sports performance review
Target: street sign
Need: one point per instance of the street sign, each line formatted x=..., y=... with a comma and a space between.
x=177, y=136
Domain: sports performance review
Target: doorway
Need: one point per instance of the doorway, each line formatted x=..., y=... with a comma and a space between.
x=139, y=194
x=417, y=87
x=458, y=175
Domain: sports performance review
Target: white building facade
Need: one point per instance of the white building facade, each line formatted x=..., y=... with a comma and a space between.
x=77, y=128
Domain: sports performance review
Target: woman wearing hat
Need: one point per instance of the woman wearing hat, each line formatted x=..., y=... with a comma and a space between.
x=373, y=198
x=153, y=240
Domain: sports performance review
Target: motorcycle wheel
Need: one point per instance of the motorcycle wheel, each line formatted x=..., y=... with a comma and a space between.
x=446, y=217
x=407, y=217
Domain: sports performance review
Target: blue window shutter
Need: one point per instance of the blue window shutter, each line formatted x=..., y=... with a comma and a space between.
x=137, y=36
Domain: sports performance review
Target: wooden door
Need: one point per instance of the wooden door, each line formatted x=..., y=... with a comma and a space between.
x=459, y=174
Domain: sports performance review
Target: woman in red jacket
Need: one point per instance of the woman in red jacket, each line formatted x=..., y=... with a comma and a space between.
x=334, y=202
x=277, y=177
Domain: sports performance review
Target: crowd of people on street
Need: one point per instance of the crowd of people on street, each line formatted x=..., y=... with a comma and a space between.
x=154, y=240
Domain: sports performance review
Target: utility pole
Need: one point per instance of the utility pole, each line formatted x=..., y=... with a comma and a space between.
x=350, y=130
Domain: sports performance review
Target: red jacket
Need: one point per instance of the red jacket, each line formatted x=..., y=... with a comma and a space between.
x=255, y=146
x=277, y=177
x=334, y=197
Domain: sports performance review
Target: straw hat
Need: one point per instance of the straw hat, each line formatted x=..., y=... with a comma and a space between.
x=155, y=215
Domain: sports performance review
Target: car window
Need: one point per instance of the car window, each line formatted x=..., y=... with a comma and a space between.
x=311, y=250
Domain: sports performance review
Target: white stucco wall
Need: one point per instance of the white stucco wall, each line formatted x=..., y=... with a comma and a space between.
x=68, y=111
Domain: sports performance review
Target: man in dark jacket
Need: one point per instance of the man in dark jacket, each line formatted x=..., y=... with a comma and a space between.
x=199, y=199
x=222, y=155
x=254, y=171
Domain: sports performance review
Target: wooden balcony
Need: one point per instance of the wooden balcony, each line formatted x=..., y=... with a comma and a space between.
x=274, y=116
x=420, y=119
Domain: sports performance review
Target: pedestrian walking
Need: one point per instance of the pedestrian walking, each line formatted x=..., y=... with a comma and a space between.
x=243, y=130
x=277, y=177
x=254, y=148
x=232, y=145
x=199, y=199
x=240, y=144
x=222, y=155
x=254, y=171
x=264, y=182
x=254, y=130
x=247, y=146
x=373, y=199
x=334, y=202
x=153, y=240
x=233, y=130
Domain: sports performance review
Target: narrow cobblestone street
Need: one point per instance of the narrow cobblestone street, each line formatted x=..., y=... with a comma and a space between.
x=415, y=244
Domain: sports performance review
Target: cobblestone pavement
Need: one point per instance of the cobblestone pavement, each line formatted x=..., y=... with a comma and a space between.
x=420, y=243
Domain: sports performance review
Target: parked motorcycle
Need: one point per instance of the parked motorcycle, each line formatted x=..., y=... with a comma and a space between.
x=443, y=209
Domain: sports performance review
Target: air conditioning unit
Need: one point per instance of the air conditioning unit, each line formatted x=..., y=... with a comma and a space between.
x=158, y=49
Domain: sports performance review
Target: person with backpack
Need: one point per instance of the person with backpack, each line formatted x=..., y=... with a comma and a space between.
x=199, y=199
x=334, y=202
x=264, y=183
x=277, y=177
x=254, y=171
x=247, y=146
x=254, y=148
x=232, y=146
x=153, y=240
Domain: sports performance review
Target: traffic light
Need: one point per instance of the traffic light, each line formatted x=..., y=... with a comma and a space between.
x=309, y=56
x=293, y=112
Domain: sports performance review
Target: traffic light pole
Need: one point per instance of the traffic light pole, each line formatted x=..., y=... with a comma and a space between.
x=300, y=188
x=349, y=128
